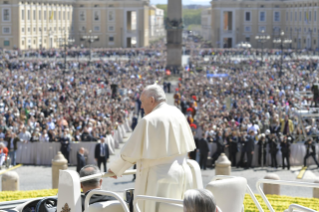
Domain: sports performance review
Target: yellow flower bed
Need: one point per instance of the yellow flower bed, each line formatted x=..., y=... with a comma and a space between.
x=16, y=195
x=279, y=203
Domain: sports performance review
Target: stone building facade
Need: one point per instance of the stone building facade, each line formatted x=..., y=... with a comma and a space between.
x=49, y=24
x=236, y=21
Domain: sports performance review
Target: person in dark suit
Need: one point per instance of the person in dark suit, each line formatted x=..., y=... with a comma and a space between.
x=248, y=142
x=285, y=152
x=65, y=146
x=219, y=140
x=80, y=160
x=273, y=146
x=12, y=146
x=93, y=184
x=311, y=151
x=232, y=141
x=203, y=149
x=134, y=121
x=101, y=154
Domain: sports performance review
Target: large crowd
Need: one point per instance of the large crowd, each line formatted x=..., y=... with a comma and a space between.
x=232, y=102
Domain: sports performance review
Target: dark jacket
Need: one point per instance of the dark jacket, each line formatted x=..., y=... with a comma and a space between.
x=285, y=147
x=232, y=142
x=80, y=162
x=220, y=143
x=95, y=198
x=273, y=142
x=203, y=146
x=310, y=147
x=65, y=144
x=97, y=152
x=86, y=137
x=250, y=144
x=15, y=143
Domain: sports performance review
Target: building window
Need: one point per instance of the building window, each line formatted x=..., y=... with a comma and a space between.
x=34, y=15
x=63, y=15
x=22, y=29
x=262, y=28
x=82, y=16
x=247, y=39
x=22, y=43
x=96, y=28
x=314, y=42
x=299, y=16
x=6, y=15
x=276, y=16
x=28, y=29
x=6, y=43
x=54, y=15
x=286, y=16
x=6, y=30
x=247, y=28
x=68, y=15
x=39, y=29
x=111, y=39
x=39, y=15
x=59, y=15
x=28, y=15
x=44, y=29
x=22, y=14
x=262, y=16
x=291, y=16
x=315, y=16
x=247, y=16
x=295, y=16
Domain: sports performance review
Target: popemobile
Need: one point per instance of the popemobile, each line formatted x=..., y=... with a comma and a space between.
x=224, y=188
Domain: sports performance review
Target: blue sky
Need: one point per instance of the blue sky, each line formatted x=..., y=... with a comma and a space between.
x=185, y=2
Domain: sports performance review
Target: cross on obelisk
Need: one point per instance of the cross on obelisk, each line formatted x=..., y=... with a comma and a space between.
x=174, y=28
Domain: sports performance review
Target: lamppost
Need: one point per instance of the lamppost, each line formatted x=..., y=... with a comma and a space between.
x=262, y=38
x=282, y=41
x=66, y=43
x=90, y=38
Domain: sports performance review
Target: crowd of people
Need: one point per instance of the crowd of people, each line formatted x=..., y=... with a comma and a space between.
x=233, y=103
x=239, y=104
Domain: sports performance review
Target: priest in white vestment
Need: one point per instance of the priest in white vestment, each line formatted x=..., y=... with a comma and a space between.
x=159, y=146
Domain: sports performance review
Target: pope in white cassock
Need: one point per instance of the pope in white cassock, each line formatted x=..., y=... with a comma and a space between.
x=159, y=146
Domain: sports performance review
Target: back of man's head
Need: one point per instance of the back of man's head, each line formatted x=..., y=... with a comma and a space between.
x=93, y=183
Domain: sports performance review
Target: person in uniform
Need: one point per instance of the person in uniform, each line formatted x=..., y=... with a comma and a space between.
x=204, y=150
x=311, y=151
x=159, y=146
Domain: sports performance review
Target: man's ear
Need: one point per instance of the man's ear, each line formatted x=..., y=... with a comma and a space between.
x=101, y=181
x=81, y=186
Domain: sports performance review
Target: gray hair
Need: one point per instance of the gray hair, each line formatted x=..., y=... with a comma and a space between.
x=2, y=145
x=199, y=200
x=90, y=170
x=156, y=92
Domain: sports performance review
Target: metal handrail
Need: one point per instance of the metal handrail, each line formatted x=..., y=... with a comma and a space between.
x=280, y=182
x=249, y=191
x=109, y=193
x=157, y=199
x=299, y=207
x=106, y=174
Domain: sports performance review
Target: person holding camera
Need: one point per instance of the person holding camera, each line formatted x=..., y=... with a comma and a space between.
x=285, y=152
x=311, y=151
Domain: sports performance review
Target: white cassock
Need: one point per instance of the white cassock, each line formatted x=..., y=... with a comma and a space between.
x=159, y=146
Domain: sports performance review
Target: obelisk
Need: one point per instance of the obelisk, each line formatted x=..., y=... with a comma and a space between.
x=174, y=29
